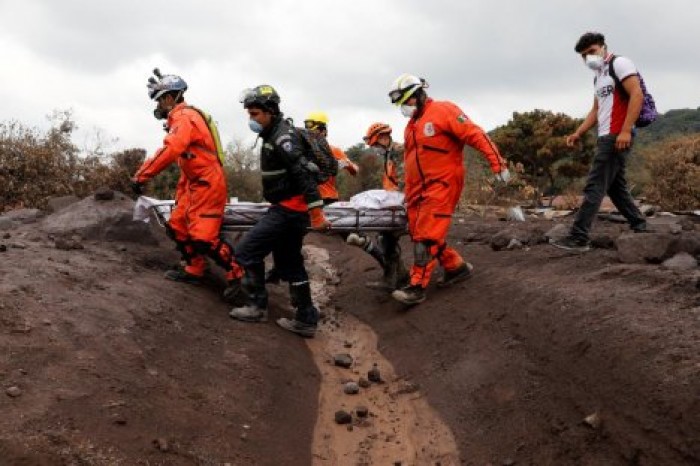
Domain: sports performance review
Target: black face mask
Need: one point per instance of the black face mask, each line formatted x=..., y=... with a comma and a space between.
x=160, y=114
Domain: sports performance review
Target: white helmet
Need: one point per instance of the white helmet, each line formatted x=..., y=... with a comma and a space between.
x=164, y=83
x=404, y=87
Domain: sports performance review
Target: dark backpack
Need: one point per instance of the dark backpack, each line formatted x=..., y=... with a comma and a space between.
x=648, y=113
x=319, y=152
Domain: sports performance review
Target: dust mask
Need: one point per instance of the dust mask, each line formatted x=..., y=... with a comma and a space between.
x=408, y=110
x=594, y=62
x=255, y=126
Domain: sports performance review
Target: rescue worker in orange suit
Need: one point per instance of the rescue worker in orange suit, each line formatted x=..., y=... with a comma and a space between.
x=434, y=141
x=386, y=250
x=318, y=122
x=289, y=184
x=195, y=221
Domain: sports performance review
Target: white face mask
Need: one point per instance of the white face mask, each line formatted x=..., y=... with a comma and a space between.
x=408, y=110
x=594, y=61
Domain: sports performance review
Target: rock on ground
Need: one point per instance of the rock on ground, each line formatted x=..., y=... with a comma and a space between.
x=7, y=224
x=102, y=220
x=655, y=248
x=681, y=262
x=58, y=203
x=557, y=232
x=23, y=215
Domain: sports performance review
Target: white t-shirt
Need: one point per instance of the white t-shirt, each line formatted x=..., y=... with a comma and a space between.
x=612, y=102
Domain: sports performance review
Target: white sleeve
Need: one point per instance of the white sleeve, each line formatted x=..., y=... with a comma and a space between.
x=624, y=68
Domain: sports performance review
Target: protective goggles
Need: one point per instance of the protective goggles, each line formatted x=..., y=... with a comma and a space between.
x=310, y=124
x=399, y=96
x=247, y=96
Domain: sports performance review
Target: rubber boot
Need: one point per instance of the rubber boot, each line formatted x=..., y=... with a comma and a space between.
x=255, y=310
x=367, y=245
x=395, y=273
x=272, y=277
x=180, y=275
x=461, y=273
x=410, y=295
x=306, y=317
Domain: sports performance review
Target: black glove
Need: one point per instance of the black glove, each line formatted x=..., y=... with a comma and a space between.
x=137, y=188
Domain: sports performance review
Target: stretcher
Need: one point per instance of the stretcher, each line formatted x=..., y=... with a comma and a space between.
x=343, y=217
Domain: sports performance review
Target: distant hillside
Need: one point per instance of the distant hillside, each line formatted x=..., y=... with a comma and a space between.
x=671, y=123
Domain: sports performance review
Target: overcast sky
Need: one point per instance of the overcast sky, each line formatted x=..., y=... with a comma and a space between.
x=491, y=57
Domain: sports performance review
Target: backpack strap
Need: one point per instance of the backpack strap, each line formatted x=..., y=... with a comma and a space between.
x=613, y=74
x=214, y=131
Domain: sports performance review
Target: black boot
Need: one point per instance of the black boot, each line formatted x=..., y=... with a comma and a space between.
x=272, y=276
x=395, y=273
x=305, y=321
x=255, y=310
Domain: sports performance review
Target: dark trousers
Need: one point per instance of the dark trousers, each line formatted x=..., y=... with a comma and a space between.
x=280, y=232
x=607, y=176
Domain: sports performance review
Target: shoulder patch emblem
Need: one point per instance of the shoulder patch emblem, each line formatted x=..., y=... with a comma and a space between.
x=287, y=146
x=280, y=140
x=429, y=129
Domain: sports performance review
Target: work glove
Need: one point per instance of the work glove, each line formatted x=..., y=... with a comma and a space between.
x=318, y=220
x=137, y=187
x=503, y=176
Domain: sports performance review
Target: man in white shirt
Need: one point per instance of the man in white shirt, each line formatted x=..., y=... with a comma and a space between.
x=615, y=110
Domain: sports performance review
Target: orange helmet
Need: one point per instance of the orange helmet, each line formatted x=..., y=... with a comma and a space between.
x=374, y=131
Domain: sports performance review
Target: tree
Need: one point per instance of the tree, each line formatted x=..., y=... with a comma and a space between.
x=241, y=165
x=537, y=140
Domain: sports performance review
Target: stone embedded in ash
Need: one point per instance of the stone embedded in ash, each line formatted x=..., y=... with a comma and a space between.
x=644, y=248
x=23, y=215
x=351, y=388
x=68, y=244
x=7, y=223
x=343, y=417
x=681, y=262
x=557, y=232
x=362, y=411
x=104, y=194
x=373, y=375
x=514, y=244
x=687, y=225
x=407, y=388
x=364, y=383
x=593, y=421
x=57, y=203
x=13, y=392
x=343, y=360
x=603, y=242
x=162, y=444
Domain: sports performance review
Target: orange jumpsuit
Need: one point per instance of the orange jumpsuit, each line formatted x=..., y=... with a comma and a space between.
x=327, y=189
x=434, y=175
x=200, y=198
